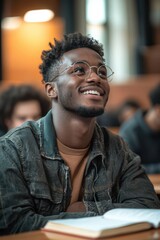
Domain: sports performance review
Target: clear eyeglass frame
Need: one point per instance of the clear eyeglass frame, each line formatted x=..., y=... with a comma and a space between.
x=83, y=70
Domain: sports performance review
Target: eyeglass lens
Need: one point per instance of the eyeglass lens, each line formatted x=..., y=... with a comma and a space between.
x=83, y=70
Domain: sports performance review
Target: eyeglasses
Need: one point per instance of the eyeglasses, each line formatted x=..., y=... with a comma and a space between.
x=83, y=70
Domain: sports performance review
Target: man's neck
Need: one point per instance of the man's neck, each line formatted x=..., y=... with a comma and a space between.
x=73, y=131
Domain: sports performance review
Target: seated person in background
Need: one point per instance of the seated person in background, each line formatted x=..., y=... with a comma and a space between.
x=142, y=133
x=127, y=110
x=65, y=165
x=121, y=114
x=19, y=104
x=108, y=119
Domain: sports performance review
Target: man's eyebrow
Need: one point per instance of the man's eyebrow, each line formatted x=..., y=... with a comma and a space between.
x=99, y=64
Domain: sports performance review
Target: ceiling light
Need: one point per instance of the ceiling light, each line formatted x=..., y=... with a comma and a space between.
x=42, y=15
x=11, y=22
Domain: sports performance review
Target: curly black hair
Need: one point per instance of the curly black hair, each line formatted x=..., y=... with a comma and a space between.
x=50, y=58
x=14, y=94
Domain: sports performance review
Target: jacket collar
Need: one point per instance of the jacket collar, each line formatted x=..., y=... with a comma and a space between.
x=48, y=140
x=48, y=137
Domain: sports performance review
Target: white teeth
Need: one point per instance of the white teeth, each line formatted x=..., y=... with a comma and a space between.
x=93, y=92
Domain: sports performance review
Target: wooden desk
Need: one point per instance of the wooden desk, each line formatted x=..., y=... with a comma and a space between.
x=155, y=179
x=39, y=235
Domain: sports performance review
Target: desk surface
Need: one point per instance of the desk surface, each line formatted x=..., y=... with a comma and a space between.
x=39, y=235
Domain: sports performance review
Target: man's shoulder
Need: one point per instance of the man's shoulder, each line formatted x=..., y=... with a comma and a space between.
x=117, y=148
x=111, y=138
x=24, y=132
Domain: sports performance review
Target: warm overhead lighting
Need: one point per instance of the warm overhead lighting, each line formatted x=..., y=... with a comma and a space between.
x=11, y=23
x=42, y=15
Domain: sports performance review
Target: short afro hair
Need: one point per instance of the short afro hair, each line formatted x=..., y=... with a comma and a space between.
x=51, y=58
x=155, y=95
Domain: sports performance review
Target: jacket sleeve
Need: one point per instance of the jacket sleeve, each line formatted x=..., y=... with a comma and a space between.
x=133, y=187
x=17, y=207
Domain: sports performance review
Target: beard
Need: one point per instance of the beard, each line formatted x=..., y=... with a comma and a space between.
x=85, y=111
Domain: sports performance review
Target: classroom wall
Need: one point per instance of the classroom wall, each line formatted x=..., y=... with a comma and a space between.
x=137, y=88
x=22, y=49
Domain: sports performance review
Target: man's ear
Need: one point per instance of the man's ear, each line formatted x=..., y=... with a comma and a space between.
x=51, y=91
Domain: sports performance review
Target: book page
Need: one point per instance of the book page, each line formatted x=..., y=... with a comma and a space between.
x=97, y=223
x=135, y=215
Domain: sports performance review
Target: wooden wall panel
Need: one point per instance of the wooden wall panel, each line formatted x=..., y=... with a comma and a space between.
x=136, y=88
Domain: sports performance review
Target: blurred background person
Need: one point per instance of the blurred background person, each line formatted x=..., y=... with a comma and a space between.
x=142, y=133
x=118, y=116
x=108, y=119
x=19, y=104
x=127, y=110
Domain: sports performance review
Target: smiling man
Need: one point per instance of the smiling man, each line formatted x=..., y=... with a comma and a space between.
x=65, y=165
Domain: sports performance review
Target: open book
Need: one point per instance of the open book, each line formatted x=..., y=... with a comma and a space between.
x=114, y=222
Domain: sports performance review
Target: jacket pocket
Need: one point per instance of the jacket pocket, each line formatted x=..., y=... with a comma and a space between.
x=102, y=193
x=46, y=202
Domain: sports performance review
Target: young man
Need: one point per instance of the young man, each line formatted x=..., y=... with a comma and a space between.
x=65, y=165
x=142, y=133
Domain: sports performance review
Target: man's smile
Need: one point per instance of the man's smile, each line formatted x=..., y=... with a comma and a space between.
x=92, y=91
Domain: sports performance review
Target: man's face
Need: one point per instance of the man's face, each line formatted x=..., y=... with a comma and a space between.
x=23, y=111
x=86, y=97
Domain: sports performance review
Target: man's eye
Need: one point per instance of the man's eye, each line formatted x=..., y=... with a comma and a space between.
x=103, y=73
x=79, y=70
x=19, y=118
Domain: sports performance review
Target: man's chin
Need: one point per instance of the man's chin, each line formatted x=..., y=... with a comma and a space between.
x=90, y=112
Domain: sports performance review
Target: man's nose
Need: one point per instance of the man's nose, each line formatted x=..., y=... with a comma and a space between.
x=94, y=74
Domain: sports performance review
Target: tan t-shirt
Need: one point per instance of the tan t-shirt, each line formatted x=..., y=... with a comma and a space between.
x=76, y=160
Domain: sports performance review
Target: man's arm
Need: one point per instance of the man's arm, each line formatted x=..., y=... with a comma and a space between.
x=135, y=189
x=17, y=207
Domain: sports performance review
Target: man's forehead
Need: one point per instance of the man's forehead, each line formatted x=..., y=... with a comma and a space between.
x=80, y=54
